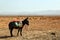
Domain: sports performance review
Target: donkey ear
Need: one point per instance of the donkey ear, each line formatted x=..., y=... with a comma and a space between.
x=27, y=18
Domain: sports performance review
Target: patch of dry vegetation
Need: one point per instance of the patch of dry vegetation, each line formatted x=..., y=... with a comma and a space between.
x=40, y=28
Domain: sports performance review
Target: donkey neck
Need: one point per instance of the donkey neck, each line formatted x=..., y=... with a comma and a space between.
x=23, y=23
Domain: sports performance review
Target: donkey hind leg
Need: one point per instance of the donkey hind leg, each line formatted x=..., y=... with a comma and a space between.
x=18, y=32
x=11, y=32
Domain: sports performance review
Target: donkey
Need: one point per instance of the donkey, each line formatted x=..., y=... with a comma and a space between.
x=13, y=25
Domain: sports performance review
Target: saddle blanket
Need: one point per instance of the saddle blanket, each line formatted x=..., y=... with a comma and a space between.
x=18, y=24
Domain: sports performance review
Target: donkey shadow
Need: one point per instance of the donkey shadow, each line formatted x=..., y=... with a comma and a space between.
x=3, y=37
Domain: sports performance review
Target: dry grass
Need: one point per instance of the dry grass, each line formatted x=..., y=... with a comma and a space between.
x=30, y=35
x=40, y=28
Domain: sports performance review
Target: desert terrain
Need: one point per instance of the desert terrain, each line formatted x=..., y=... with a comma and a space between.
x=40, y=28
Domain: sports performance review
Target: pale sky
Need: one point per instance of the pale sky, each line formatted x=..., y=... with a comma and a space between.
x=28, y=5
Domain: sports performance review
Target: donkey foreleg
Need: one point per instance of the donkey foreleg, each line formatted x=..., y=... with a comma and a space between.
x=21, y=32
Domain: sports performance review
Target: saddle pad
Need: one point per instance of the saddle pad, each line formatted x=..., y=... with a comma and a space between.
x=18, y=24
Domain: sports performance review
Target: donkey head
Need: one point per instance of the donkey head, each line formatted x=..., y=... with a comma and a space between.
x=26, y=21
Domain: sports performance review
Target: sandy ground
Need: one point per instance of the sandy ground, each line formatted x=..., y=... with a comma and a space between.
x=30, y=35
x=40, y=28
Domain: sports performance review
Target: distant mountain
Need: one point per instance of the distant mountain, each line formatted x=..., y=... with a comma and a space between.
x=41, y=13
x=49, y=13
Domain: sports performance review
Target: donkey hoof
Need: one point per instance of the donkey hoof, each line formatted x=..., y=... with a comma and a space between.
x=12, y=36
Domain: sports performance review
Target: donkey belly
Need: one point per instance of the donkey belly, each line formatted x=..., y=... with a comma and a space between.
x=17, y=27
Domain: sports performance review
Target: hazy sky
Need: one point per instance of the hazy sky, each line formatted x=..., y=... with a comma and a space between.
x=28, y=5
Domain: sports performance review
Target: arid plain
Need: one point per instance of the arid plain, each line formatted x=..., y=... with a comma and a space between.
x=40, y=28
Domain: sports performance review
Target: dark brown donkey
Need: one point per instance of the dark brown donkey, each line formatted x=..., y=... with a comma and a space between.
x=17, y=25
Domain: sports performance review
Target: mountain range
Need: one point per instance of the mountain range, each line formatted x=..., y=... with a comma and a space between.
x=40, y=13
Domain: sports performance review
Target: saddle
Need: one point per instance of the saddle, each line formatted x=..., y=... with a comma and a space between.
x=18, y=24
